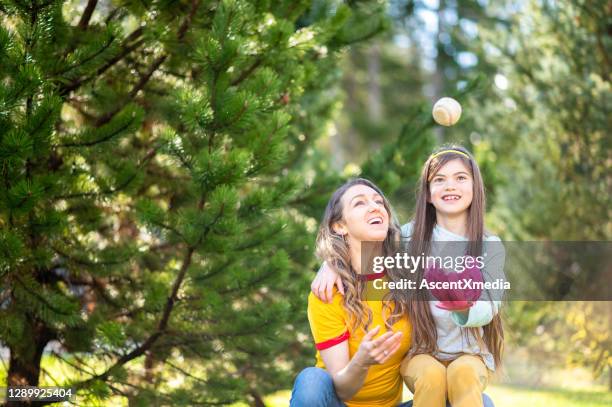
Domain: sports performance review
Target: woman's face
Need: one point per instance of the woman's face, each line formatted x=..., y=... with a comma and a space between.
x=451, y=189
x=364, y=217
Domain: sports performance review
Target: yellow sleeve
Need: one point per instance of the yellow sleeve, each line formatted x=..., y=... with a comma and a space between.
x=327, y=321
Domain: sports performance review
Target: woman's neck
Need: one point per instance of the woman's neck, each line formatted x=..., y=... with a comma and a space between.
x=356, y=249
x=355, y=253
x=456, y=224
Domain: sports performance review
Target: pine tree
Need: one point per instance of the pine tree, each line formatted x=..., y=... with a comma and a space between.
x=156, y=223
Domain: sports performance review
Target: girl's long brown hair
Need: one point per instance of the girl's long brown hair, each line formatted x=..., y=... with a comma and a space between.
x=332, y=248
x=424, y=334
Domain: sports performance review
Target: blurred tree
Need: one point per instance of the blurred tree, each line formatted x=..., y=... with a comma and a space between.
x=158, y=179
x=428, y=52
x=550, y=127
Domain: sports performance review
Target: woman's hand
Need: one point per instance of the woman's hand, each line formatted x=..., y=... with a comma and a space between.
x=323, y=284
x=377, y=351
x=349, y=374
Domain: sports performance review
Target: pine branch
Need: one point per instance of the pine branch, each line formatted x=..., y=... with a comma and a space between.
x=42, y=121
x=89, y=281
x=146, y=345
x=183, y=371
x=163, y=322
x=154, y=66
x=112, y=15
x=88, y=59
x=86, y=262
x=251, y=284
x=127, y=48
x=246, y=73
x=48, y=374
x=107, y=117
x=102, y=139
x=187, y=23
x=199, y=338
x=74, y=365
x=150, y=154
x=131, y=313
x=40, y=297
x=89, y=9
x=217, y=271
x=169, y=228
x=78, y=106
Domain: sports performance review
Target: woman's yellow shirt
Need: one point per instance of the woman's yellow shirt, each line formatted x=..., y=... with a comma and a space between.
x=330, y=326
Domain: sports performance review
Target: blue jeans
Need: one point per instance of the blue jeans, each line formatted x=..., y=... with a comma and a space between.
x=314, y=387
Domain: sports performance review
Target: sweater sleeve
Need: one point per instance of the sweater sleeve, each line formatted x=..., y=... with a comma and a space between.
x=480, y=314
x=483, y=311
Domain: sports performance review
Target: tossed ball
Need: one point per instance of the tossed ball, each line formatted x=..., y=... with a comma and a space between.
x=446, y=111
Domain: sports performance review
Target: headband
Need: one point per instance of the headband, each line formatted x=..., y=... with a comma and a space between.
x=449, y=151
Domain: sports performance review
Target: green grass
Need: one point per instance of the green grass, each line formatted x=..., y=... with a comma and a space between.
x=509, y=396
x=504, y=395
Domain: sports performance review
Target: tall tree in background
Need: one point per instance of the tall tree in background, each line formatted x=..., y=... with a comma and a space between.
x=152, y=207
x=550, y=125
x=391, y=83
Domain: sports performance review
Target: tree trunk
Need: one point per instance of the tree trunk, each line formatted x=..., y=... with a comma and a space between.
x=24, y=362
x=438, y=76
x=257, y=400
x=375, y=109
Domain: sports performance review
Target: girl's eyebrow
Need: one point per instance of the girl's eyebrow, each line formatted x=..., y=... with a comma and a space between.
x=444, y=175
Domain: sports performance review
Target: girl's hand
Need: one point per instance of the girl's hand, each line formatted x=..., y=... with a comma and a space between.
x=323, y=284
x=377, y=351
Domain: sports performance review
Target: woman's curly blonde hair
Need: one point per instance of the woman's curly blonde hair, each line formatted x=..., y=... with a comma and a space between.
x=333, y=249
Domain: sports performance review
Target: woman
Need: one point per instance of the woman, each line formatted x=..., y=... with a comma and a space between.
x=360, y=344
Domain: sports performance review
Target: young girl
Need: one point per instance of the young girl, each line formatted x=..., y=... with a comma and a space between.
x=453, y=352
x=360, y=344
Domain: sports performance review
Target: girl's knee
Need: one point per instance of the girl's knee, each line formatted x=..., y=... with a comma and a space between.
x=432, y=376
x=462, y=370
x=433, y=373
x=467, y=370
x=465, y=377
x=424, y=371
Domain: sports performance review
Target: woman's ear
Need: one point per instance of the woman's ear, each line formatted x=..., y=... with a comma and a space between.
x=339, y=228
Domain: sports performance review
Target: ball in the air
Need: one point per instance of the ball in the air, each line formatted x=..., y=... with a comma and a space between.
x=446, y=111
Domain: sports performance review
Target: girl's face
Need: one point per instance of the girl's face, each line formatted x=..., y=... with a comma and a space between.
x=364, y=216
x=451, y=189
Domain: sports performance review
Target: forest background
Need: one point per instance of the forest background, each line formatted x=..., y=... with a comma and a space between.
x=165, y=165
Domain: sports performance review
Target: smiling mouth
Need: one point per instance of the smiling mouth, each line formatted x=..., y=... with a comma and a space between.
x=375, y=221
x=449, y=198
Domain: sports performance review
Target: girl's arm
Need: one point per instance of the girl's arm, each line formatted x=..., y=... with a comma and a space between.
x=348, y=374
x=483, y=310
x=323, y=284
